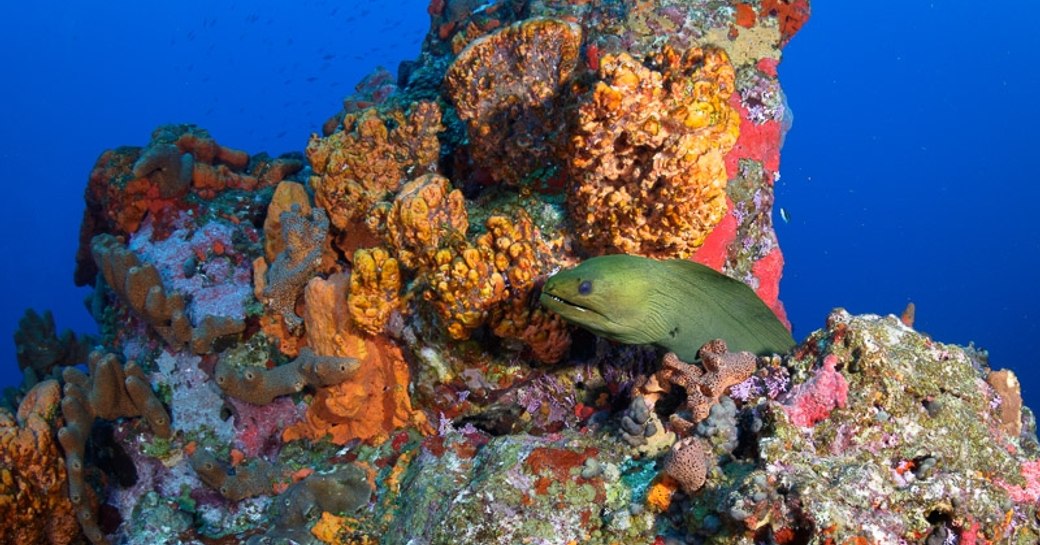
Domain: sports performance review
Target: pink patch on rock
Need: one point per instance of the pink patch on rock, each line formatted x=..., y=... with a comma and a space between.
x=767, y=65
x=813, y=400
x=715, y=249
x=1031, y=491
x=760, y=142
x=258, y=428
x=768, y=271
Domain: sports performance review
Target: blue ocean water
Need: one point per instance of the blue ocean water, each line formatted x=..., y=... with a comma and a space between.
x=908, y=174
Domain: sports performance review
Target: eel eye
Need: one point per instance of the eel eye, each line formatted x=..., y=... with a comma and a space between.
x=585, y=287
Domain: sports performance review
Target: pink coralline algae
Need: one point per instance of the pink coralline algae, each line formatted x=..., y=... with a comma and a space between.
x=814, y=400
x=200, y=261
x=1031, y=491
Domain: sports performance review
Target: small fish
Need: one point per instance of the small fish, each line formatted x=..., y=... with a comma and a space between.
x=909, y=314
x=784, y=215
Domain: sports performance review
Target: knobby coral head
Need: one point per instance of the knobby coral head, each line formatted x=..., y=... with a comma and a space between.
x=646, y=158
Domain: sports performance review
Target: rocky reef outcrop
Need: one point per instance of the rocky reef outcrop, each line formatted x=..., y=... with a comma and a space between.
x=345, y=345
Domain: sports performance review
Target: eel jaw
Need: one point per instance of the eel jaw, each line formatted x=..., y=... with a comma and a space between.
x=571, y=311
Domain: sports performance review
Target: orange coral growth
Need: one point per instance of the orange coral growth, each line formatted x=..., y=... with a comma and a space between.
x=375, y=287
x=491, y=280
x=790, y=15
x=745, y=15
x=521, y=257
x=34, y=505
x=329, y=527
x=659, y=495
x=463, y=285
x=647, y=155
x=422, y=216
x=371, y=157
x=206, y=150
x=375, y=400
x=208, y=180
x=504, y=86
x=285, y=196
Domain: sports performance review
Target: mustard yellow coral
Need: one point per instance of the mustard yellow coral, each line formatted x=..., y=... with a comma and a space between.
x=491, y=280
x=463, y=284
x=375, y=287
x=425, y=213
x=506, y=85
x=647, y=153
x=34, y=505
x=522, y=257
x=371, y=157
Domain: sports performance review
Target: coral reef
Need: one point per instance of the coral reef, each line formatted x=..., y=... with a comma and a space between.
x=375, y=287
x=373, y=366
x=34, y=507
x=506, y=87
x=369, y=159
x=646, y=160
x=180, y=169
x=40, y=349
x=425, y=214
x=110, y=391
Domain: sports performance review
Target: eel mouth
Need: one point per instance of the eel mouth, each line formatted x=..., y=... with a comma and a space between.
x=562, y=303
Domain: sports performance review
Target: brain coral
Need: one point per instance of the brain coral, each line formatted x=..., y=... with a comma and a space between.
x=504, y=86
x=646, y=158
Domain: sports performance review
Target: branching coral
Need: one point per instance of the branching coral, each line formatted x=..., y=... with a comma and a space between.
x=279, y=284
x=704, y=387
x=505, y=86
x=646, y=157
x=34, y=507
x=111, y=391
x=260, y=386
x=371, y=157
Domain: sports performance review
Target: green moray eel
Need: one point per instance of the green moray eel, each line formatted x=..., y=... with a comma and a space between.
x=675, y=304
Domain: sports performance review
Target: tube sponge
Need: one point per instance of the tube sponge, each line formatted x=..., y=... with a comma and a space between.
x=260, y=386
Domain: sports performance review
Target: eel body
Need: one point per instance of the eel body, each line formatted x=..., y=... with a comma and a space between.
x=675, y=304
